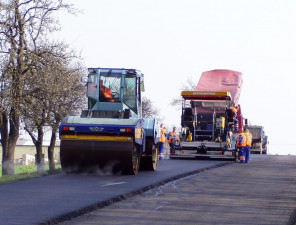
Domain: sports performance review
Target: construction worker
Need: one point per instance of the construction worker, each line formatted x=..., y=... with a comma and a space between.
x=241, y=144
x=248, y=144
x=106, y=92
x=173, y=138
x=162, y=141
x=235, y=120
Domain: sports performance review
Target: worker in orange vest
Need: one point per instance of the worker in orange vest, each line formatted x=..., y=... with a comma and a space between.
x=241, y=143
x=107, y=93
x=248, y=144
x=235, y=120
x=162, y=141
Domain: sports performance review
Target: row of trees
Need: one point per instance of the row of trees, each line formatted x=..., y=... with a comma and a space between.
x=40, y=80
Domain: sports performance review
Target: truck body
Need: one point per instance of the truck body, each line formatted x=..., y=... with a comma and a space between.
x=111, y=133
x=207, y=119
x=259, y=139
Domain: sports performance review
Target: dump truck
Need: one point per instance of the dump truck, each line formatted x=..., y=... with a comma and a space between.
x=111, y=133
x=259, y=139
x=207, y=121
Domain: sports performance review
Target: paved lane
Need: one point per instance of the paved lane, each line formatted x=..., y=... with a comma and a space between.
x=260, y=192
x=63, y=196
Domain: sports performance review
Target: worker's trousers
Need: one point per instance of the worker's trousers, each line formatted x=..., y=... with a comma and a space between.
x=242, y=154
x=248, y=149
x=161, y=150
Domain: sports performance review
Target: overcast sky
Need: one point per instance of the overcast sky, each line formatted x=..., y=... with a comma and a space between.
x=171, y=41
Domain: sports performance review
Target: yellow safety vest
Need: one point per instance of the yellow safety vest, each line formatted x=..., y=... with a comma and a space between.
x=249, y=139
x=162, y=135
x=243, y=141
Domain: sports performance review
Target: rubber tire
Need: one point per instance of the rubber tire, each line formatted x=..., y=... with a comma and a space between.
x=150, y=162
x=134, y=166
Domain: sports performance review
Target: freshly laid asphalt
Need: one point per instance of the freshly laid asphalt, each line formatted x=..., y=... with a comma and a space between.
x=260, y=192
x=56, y=198
x=179, y=192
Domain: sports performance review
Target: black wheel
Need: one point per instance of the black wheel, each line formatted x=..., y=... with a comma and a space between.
x=150, y=160
x=235, y=155
x=132, y=168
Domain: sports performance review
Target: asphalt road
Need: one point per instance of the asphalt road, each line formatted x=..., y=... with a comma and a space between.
x=60, y=197
x=260, y=192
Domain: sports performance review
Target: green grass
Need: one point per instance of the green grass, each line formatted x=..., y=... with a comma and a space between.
x=25, y=172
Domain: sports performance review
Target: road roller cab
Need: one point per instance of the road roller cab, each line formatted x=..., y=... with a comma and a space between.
x=114, y=93
x=111, y=133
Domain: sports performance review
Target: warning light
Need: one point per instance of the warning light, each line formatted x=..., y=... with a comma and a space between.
x=66, y=128
x=126, y=130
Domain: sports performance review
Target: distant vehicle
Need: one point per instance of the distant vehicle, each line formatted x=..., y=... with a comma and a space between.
x=259, y=140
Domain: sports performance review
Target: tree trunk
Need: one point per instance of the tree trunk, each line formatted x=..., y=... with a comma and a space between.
x=8, y=140
x=4, y=143
x=39, y=155
x=51, y=150
x=8, y=158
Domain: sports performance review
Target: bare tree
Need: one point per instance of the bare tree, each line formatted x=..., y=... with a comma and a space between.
x=24, y=25
x=189, y=85
x=148, y=109
x=52, y=91
x=69, y=99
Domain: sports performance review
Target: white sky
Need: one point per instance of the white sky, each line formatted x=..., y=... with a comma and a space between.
x=173, y=40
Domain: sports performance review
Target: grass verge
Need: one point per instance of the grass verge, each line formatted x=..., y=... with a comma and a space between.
x=26, y=172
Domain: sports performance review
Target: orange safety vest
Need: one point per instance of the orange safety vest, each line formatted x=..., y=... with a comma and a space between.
x=172, y=135
x=234, y=110
x=162, y=135
x=107, y=93
x=241, y=140
x=249, y=139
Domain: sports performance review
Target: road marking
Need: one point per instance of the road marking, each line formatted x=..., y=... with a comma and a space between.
x=111, y=184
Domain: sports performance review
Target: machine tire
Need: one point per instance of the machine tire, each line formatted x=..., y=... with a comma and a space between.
x=150, y=162
x=235, y=158
x=133, y=167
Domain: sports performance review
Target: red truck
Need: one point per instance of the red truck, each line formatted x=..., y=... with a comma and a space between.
x=207, y=120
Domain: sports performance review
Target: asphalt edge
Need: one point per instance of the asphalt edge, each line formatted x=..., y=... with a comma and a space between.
x=100, y=205
x=292, y=219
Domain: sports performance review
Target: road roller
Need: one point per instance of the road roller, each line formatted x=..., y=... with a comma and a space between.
x=110, y=134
